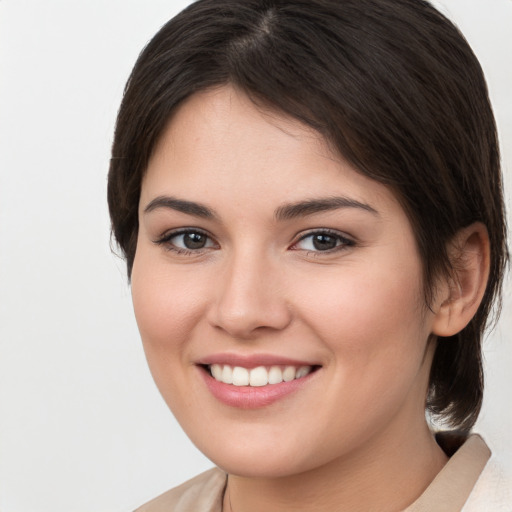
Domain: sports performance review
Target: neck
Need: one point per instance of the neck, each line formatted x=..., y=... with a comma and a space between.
x=386, y=475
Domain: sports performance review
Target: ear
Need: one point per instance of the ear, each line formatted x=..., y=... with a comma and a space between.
x=459, y=295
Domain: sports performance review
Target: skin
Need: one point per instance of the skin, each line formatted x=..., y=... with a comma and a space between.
x=355, y=436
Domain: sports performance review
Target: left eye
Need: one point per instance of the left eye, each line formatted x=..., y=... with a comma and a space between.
x=187, y=241
x=322, y=241
x=191, y=240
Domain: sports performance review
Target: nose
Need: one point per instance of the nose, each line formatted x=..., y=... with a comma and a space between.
x=250, y=298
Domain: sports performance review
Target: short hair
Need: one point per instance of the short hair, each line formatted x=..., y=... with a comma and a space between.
x=392, y=86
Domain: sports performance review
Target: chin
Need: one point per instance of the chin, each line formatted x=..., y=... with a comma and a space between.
x=261, y=455
x=259, y=466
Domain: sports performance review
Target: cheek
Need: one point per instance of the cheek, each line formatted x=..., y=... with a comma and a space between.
x=167, y=309
x=373, y=325
x=372, y=321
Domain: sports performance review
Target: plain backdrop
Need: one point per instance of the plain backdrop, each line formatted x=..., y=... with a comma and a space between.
x=82, y=426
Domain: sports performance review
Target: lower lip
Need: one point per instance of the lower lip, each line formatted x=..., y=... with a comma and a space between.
x=252, y=397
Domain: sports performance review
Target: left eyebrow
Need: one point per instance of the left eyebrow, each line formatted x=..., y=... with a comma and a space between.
x=312, y=206
x=180, y=205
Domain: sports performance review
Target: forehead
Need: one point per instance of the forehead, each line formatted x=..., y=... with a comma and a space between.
x=225, y=117
x=220, y=145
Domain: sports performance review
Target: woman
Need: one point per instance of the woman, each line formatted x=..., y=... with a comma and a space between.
x=308, y=197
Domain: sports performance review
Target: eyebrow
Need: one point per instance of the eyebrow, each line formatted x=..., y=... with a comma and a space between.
x=180, y=205
x=312, y=206
x=285, y=212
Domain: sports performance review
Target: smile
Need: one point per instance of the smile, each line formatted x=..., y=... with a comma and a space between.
x=254, y=382
x=259, y=376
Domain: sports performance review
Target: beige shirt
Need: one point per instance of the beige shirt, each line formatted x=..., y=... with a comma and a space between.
x=456, y=488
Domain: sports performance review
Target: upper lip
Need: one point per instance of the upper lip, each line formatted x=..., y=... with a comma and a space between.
x=252, y=360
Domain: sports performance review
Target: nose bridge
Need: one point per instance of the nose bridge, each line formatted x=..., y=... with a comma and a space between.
x=251, y=295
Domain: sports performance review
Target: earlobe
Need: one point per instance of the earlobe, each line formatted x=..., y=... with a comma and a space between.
x=463, y=291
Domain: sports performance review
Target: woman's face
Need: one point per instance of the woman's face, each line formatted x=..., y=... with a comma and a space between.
x=259, y=249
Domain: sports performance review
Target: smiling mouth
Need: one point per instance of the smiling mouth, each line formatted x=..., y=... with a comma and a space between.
x=259, y=376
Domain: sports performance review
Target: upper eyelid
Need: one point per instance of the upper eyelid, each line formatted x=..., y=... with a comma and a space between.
x=164, y=241
x=346, y=240
x=168, y=235
x=320, y=231
x=171, y=233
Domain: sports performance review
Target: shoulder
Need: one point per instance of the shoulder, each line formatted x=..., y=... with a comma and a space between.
x=202, y=493
x=492, y=491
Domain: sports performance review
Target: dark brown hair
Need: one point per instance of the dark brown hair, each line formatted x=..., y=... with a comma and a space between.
x=395, y=89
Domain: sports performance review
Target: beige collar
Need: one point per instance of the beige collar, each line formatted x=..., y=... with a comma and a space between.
x=452, y=486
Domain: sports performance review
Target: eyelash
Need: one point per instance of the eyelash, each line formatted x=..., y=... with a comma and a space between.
x=165, y=240
x=343, y=242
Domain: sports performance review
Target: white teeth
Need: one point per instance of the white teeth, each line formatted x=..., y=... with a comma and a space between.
x=227, y=375
x=216, y=370
x=289, y=373
x=302, y=372
x=240, y=376
x=275, y=375
x=259, y=376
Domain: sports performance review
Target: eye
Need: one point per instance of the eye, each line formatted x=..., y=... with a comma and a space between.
x=185, y=241
x=323, y=241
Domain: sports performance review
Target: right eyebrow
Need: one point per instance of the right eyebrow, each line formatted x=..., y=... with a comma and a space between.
x=180, y=205
x=323, y=204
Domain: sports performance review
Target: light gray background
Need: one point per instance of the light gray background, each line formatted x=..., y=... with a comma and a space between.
x=82, y=427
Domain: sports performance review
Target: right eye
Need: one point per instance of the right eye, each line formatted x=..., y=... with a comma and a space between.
x=186, y=241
